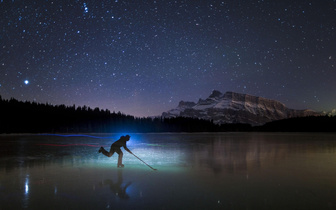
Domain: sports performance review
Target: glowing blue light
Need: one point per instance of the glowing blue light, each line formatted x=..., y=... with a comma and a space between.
x=26, y=82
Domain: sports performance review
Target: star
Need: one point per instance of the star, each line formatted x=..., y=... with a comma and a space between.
x=99, y=53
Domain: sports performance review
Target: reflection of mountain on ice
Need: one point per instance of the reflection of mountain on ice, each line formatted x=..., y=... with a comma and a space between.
x=236, y=108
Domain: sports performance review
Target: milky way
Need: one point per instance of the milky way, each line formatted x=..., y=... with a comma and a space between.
x=142, y=57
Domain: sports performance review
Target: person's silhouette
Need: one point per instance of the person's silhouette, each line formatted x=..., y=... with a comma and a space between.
x=118, y=188
x=115, y=147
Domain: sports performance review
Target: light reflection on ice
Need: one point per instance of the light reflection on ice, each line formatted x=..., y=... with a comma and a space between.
x=26, y=187
x=26, y=192
x=154, y=156
x=201, y=171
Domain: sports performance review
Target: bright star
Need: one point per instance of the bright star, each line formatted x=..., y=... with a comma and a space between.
x=86, y=9
x=26, y=82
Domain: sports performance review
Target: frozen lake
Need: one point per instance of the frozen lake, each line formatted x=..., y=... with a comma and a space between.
x=194, y=171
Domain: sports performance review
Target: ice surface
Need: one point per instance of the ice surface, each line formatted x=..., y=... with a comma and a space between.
x=195, y=171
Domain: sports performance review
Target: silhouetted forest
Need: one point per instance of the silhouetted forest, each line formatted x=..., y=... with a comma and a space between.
x=32, y=117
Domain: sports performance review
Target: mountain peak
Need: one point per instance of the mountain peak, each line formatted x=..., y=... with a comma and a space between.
x=215, y=94
x=234, y=107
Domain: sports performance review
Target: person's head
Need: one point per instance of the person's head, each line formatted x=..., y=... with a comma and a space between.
x=127, y=137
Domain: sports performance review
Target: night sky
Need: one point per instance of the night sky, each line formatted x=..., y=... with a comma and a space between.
x=143, y=57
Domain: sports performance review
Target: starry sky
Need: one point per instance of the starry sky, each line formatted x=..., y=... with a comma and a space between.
x=143, y=57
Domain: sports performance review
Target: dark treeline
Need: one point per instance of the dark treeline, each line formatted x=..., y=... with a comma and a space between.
x=32, y=117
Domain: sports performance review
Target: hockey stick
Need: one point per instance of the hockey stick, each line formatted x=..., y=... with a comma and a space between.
x=144, y=162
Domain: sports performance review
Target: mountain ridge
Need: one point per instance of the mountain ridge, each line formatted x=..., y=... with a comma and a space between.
x=232, y=107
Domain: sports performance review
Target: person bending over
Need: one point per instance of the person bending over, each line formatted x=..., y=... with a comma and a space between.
x=115, y=147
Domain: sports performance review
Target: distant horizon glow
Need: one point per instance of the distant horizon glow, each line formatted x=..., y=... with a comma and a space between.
x=76, y=135
x=69, y=145
x=143, y=58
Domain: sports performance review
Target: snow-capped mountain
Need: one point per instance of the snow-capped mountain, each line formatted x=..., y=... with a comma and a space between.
x=236, y=108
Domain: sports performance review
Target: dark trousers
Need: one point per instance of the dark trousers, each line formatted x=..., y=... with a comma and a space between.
x=112, y=151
